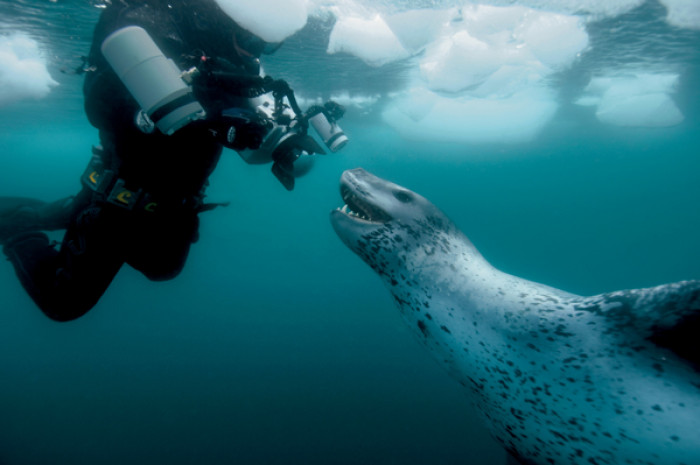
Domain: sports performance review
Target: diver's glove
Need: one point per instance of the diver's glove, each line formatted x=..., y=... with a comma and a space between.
x=240, y=129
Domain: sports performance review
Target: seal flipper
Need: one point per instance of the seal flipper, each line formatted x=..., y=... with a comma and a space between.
x=668, y=315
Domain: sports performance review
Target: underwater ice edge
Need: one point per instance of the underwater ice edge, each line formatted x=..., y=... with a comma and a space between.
x=332, y=378
x=475, y=72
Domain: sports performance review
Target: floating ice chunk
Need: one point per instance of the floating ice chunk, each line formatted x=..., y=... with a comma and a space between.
x=371, y=40
x=683, y=13
x=641, y=100
x=417, y=28
x=553, y=39
x=556, y=40
x=646, y=110
x=415, y=104
x=485, y=20
x=493, y=62
x=363, y=102
x=510, y=79
x=271, y=20
x=595, y=8
x=423, y=115
x=23, y=72
x=459, y=61
x=489, y=39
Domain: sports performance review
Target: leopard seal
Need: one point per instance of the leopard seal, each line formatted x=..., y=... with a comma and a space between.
x=558, y=378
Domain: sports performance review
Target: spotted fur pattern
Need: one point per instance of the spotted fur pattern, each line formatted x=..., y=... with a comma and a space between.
x=559, y=378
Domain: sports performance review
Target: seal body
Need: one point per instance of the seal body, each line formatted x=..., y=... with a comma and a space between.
x=558, y=378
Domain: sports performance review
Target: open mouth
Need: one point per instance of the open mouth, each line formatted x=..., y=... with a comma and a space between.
x=359, y=208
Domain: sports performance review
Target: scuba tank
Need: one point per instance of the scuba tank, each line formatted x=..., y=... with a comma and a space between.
x=153, y=80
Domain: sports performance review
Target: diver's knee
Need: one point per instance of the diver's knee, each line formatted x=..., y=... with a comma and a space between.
x=58, y=214
x=165, y=274
x=67, y=306
x=61, y=315
x=29, y=253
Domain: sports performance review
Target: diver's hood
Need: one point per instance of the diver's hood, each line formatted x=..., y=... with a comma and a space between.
x=271, y=20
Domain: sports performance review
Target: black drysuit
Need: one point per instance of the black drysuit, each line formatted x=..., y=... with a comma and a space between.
x=171, y=170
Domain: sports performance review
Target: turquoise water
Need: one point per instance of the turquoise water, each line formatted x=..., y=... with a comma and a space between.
x=277, y=345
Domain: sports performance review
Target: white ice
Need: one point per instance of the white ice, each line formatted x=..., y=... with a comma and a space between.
x=369, y=39
x=639, y=100
x=23, y=72
x=491, y=62
x=424, y=115
x=469, y=64
x=595, y=9
x=363, y=103
x=484, y=70
x=683, y=13
x=271, y=20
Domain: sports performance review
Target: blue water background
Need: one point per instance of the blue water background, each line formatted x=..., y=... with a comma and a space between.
x=277, y=345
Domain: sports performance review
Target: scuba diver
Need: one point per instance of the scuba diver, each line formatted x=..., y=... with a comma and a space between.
x=168, y=84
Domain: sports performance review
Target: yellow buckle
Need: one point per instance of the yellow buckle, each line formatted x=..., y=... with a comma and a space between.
x=123, y=197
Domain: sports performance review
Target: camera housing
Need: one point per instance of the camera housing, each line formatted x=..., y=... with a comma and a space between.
x=167, y=101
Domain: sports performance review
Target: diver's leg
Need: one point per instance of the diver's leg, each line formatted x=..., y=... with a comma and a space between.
x=19, y=215
x=58, y=214
x=65, y=284
x=34, y=261
x=12, y=203
x=162, y=249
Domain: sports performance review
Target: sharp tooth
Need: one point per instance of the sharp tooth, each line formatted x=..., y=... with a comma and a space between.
x=344, y=209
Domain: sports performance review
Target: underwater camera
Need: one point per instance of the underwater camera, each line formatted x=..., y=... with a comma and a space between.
x=165, y=96
x=288, y=144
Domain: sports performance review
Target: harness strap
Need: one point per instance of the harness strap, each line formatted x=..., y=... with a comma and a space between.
x=112, y=189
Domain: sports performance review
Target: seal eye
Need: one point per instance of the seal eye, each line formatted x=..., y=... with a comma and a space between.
x=403, y=196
